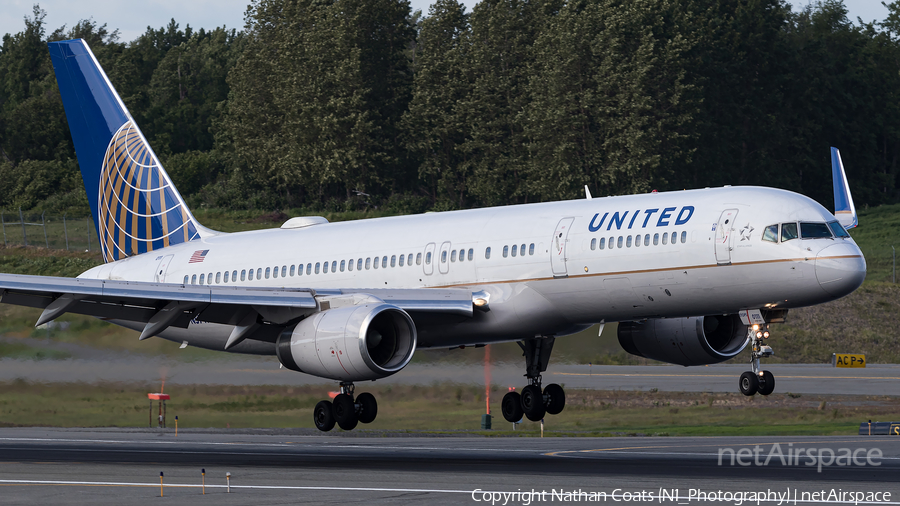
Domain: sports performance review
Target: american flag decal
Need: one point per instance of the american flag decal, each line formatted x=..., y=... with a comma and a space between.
x=198, y=256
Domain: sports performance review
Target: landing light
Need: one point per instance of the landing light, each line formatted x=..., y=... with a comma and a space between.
x=755, y=327
x=766, y=334
x=480, y=302
x=759, y=335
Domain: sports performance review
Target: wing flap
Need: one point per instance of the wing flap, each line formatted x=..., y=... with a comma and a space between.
x=176, y=305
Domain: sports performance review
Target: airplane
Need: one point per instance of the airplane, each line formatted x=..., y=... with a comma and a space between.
x=692, y=277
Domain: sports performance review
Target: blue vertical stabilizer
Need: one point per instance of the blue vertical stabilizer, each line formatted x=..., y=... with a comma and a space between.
x=136, y=207
x=844, y=209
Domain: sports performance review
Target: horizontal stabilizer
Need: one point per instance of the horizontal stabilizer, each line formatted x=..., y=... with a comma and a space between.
x=844, y=209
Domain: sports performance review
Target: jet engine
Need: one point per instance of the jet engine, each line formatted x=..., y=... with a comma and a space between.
x=697, y=340
x=355, y=343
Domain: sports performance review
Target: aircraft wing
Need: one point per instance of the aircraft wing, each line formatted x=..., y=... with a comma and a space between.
x=162, y=305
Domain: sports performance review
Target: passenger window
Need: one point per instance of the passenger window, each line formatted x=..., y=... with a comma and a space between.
x=324, y=267
x=674, y=238
x=250, y=278
x=487, y=253
x=443, y=257
x=202, y=278
x=343, y=263
x=334, y=266
x=612, y=242
x=209, y=279
x=515, y=247
x=393, y=260
x=628, y=242
x=384, y=261
x=350, y=265
x=593, y=244
x=274, y=271
x=267, y=272
x=308, y=269
x=259, y=273
x=530, y=251
x=284, y=270
x=317, y=267
x=770, y=233
x=428, y=258
x=665, y=238
x=234, y=276
x=637, y=241
x=418, y=259
x=838, y=229
x=646, y=239
x=226, y=277
x=814, y=231
x=292, y=269
x=602, y=242
x=684, y=237
x=505, y=251
x=402, y=260
x=788, y=231
x=619, y=242
x=185, y=279
x=359, y=264
x=367, y=263
x=194, y=279
x=375, y=262
x=655, y=239
x=409, y=260
x=453, y=256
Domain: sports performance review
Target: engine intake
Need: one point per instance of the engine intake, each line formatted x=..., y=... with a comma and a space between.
x=697, y=340
x=356, y=343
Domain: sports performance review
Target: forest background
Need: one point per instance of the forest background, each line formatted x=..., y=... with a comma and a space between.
x=352, y=105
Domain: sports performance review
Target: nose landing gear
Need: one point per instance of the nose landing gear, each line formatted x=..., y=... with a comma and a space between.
x=533, y=402
x=757, y=380
x=344, y=410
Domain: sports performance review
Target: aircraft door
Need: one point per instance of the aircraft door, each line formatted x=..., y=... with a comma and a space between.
x=160, y=275
x=429, y=259
x=558, y=247
x=443, y=260
x=725, y=236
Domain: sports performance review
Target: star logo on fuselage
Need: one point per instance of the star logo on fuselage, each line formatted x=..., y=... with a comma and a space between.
x=746, y=231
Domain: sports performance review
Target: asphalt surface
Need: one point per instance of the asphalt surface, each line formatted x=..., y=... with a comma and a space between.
x=804, y=378
x=121, y=466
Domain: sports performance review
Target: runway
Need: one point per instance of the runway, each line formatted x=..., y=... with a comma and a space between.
x=796, y=378
x=122, y=466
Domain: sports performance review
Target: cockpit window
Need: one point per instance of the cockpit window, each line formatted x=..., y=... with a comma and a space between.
x=838, y=229
x=814, y=231
x=788, y=231
x=771, y=233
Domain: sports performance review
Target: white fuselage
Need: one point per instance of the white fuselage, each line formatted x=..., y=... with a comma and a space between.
x=547, y=273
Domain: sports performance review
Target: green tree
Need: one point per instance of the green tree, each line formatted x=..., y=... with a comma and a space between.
x=610, y=106
x=435, y=127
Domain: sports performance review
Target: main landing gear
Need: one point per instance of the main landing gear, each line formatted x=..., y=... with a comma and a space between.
x=344, y=410
x=757, y=380
x=534, y=403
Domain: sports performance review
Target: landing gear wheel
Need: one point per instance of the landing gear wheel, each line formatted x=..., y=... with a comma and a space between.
x=749, y=384
x=323, y=416
x=511, y=407
x=345, y=412
x=533, y=403
x=767, y=383
x=556, y=398
x=368, y=408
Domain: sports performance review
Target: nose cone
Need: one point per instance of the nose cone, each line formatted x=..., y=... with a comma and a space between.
x=840, y=268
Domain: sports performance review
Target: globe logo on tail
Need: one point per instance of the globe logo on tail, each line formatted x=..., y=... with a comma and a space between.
x=139, y=209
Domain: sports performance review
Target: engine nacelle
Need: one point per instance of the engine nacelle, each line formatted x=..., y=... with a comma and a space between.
x=697, y=340
x=355, y=343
